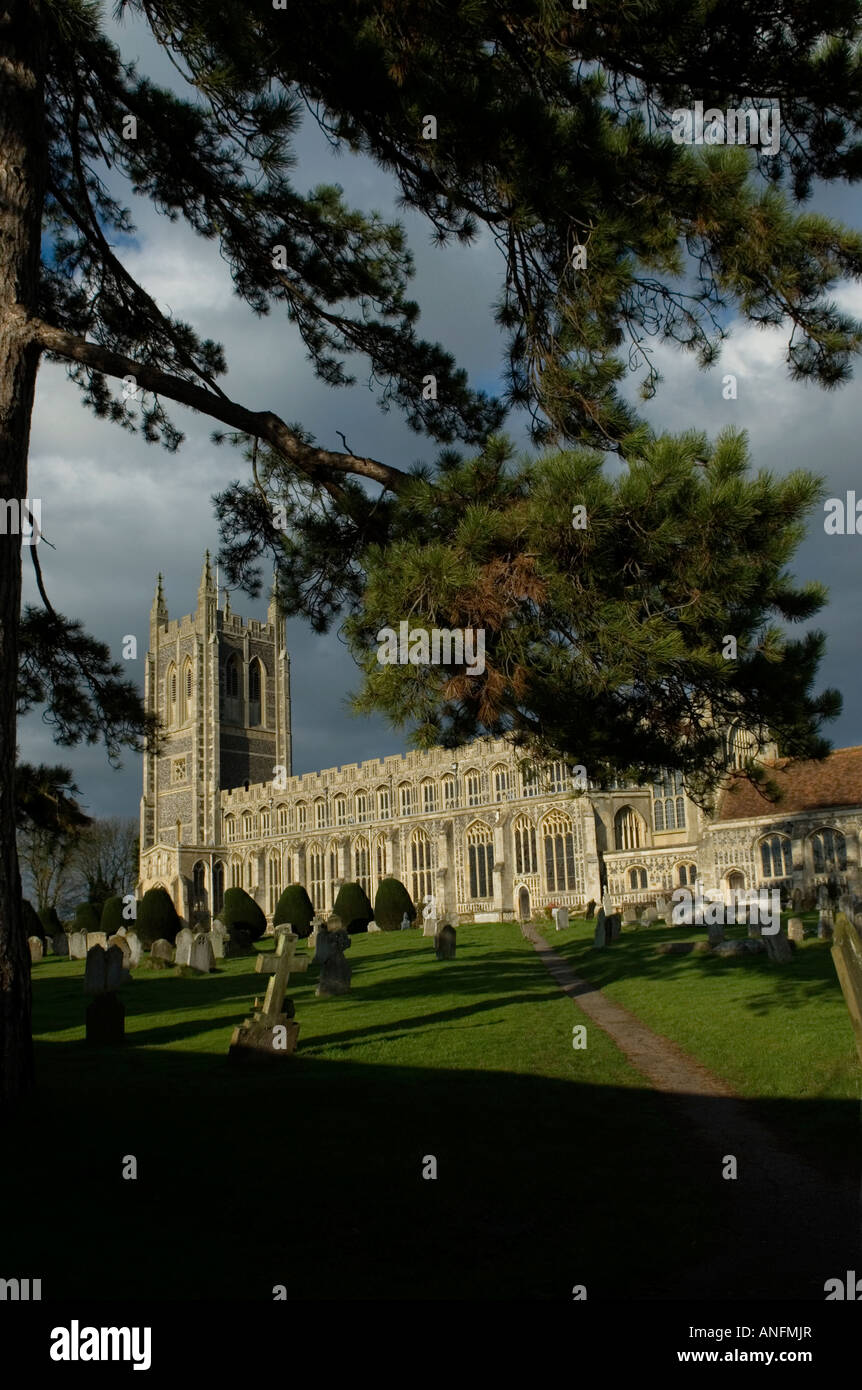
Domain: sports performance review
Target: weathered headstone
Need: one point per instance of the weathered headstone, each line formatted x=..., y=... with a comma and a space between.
x=796, y=929
x=649, y=915
x=96, y=971
x=591, y=907
x=678, y=948
x=613, y=926
x=36, y=948
x=847, y=956
x=77, y=945
x=61, y=944
x=561, y=918
x=185, y=937
x=778, y=948
x=48, y=946
x=116, y=974
x=97, y=938
x=405, y=923
x=271, y=1031
x=825, y=925
x=796, y=899
x=161, y=954
x=122, y=944
x=372, y=926
x=607, y=903
x=629, y=915
x=600, y=937
x=715, y=933
x=332, y=942
x=661, y=908
x=429, y=916
x=201, y=954
x=444, y=942
x=219, y=936
x=136, y=950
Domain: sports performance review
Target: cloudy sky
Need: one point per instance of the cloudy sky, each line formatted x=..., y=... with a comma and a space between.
x=118, y=510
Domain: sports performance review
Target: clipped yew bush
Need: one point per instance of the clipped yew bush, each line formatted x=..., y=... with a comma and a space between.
x=112, y=917
x=157, y=918
x=390, y=904
x=296, y=908
x=353, y=907
x=241, y=913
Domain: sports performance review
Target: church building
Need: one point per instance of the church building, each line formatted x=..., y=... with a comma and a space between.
x=490, y=834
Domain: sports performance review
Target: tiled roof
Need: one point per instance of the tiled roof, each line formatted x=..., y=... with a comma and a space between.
x=837, y=781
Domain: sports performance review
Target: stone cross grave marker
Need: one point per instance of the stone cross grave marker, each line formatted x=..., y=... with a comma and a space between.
x=271, y=1030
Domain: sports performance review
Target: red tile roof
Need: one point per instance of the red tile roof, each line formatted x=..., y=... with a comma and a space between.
x=837, y=781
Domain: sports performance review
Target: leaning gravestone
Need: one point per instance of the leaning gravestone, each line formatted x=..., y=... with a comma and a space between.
x=36, y=948
x=122, y=944
x=796, y=929
x=97, y=938
x=219, y=935
x=201, y=954
x=161, y=954
x=136, y=950
x=778, y=948
x=332, y=942
x=444, y=942
x=61, y=944
x=600, y=938
x=271, y=1030
x=77, y=945
x=185, y=937
x=561, y=918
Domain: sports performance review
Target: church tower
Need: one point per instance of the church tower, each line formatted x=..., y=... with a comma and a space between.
x=221, y=687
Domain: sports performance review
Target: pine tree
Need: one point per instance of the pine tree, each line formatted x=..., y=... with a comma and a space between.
x=552, y=136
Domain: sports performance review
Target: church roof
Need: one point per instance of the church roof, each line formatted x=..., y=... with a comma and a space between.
x=805, y=786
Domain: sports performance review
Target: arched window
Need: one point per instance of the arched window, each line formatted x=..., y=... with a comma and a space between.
x=557, y=777
x=232, y=690
x=502, y=783
x=218, y=887
x=629, y=829
x=448, y=785
x=186, y=691
x=420, y=865
x=361, y=808
x=530, y=781
x=480, y=860
x=429, y=798
x=249, y=874
x=265, y=822
x=776, y=858
x=686, y=875
x=247, y=825
x=171, y=694
x=199, y=886
x=256, y=684
x=362, y=863
x=405, y=799
x=380, y=857
x=302, y=816
x=741, y=747
x=320, y=815
x=235, y=873
x=526, y=860
x=316, y=877
x=333, y=867
x=230, y=829
x=830, y=851
x=473, y=782
x=559, y=845
x=384, y=810
x=273, y=881
x=341, y=810
x=669, y=802
x=638, y=879
x=282, y=819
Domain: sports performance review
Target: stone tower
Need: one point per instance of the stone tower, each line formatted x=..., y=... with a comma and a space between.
x=221, y=687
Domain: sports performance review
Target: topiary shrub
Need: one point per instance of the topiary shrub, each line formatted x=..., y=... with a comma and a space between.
x=32, y=923
x=50, y=919
x=86, y=918
x=353, y=907
x=391, y=903
x=112, y=917
x=241, y=913
x=294, y=906
x=157, y=917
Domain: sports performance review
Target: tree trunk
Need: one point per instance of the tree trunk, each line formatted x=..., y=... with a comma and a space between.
x=22, y=185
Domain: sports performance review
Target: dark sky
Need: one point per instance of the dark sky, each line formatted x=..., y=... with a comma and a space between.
x=118, y=510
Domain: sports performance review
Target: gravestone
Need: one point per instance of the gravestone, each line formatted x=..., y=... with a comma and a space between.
x=715, y=933
x=661, y=908
x=201, y=954
x=97, y=938
x=36, y=948
x=749, y=946
x=61, y=944
x=561, y=918
x=650, y=915
x=444, y=942
x=630, y=916
x=332, y=942
x=271, y=1031
x=77, y=945
x=122, y=945
x=405, y=923
x=613, y=927
x=600, y=937
x=116, y=974
x=607, y=903
x=796, y=929
x=824, y=926
x=796, y=899
x=372, y=926
x=429, y=916
x=754, y=928
x=161, y=954
x=822, y=896
x=96, y=971
x=219, y=936
x=183, y=955
x=847, y=956
x=136, y=950
x=678, y=948
x=591, y=907
x=778, y=948
x=47, y=946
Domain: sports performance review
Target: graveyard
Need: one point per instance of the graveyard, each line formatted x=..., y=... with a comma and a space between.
x=553, y=1166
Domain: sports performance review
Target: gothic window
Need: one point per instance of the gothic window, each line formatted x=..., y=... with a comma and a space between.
x=405, y=799
x=775, y=856
x=302, y=816
x=361, y=808
x=282, y=819
x=230, y=829
x=199, y=886
x=235, y=873
x=362, y=864
x=232, y=690
x=502, y=783
x=474, y=789
x=830, y=851
x=171, y=694
x=669, y=802
x=637, y=879
x=448, y=792
x=628, y=829
x=255, y=692
x=273, y=881
x=319, y=815
x=380, y=857
x=529, y=779
x=420, y=863
x=186, y=691
x=741, y=747
x=341, y=810
x=557, y=777
x=247, y=825
x=429, y=798
x=218, y=887
x=526, y=861
x=333, y=865
x=480, y=860
x=383, y=808
x=559, y=846
x=249, y=873
x=317, y=877
x=265, y=822
x=687, y=875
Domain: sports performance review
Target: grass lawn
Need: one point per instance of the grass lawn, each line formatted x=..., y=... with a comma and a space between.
x=555, y=1166
x=780, y=1033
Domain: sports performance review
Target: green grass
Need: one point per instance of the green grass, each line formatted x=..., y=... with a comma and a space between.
x=555, y=1166
x=774, y=1032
